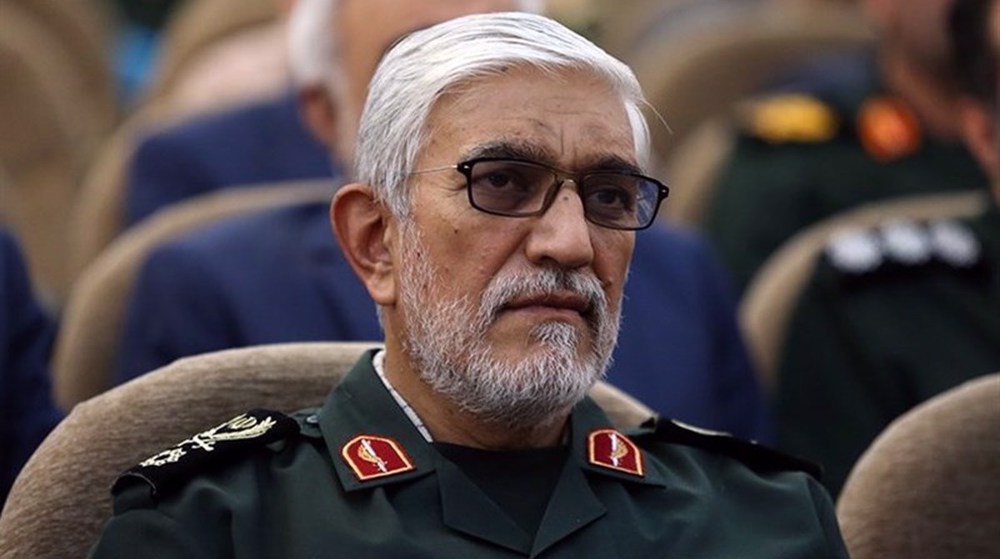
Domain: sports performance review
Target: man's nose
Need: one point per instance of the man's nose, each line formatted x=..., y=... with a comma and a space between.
x=562, y=234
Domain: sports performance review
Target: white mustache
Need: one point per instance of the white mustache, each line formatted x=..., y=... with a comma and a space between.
x=504, y=289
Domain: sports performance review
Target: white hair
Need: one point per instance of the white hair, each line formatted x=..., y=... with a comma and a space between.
x=429, y=63
x=312, y=41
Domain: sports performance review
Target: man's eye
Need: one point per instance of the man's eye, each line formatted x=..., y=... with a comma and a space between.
x=613, y=196
x=498, y=179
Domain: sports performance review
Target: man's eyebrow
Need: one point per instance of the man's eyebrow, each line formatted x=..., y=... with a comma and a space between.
x=531, y=152
x=510, y=149
x=613, y=163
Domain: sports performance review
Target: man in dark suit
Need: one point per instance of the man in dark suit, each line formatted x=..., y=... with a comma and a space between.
x=253, y=144
x=235, y=147
x=277, y=276
x=27, y=413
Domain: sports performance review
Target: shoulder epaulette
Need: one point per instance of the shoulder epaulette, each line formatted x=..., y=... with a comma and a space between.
x=789, y=118
x=903, y=245
x=754, y=455
x=219, y=445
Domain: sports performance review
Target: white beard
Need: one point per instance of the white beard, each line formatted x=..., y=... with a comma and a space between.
x=447, y=340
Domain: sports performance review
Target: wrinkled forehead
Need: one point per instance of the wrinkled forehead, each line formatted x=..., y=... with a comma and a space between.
x=546, y=115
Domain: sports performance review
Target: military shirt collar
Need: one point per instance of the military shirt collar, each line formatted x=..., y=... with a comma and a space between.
x=362, y=406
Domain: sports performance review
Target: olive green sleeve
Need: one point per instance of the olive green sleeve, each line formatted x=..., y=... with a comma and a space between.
x=827, y=517
x=151, y=535
x=832, y=396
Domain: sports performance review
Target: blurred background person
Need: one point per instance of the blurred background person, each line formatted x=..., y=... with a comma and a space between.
x=862, y=129
x=27, y=413
x=867, y=343
x=254, y=143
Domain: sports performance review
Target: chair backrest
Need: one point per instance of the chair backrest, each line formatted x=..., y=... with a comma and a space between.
x=697, y=64
x=61, y=499
x=198, y=24
x=771, y=297
x=242, y=68
x=99, y=214
x=929, y=486
x=83, y=29
x=47, y=137
x=90, y=332
x=692, y=169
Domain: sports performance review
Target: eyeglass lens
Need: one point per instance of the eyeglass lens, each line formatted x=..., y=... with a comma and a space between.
x=518, y=188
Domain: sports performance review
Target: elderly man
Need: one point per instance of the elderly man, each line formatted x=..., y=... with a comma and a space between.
x=500, y=166
x=278, y=276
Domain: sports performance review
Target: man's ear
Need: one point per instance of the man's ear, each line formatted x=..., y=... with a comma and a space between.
x=364, y=230
x=318, y=113
x=980, y=135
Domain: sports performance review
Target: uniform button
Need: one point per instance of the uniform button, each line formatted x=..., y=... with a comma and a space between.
x=312, y=420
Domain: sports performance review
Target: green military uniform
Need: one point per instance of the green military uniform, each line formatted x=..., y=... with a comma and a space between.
x=892, y=316
x=356, y=479
x=801, y=158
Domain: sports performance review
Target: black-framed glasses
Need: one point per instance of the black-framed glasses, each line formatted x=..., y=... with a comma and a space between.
x=520, y=188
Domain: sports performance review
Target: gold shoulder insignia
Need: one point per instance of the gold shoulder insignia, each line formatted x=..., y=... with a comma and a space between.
x=790, y=118
x=218, y=444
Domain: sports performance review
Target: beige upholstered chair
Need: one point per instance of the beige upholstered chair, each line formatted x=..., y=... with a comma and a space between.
x=197, y=25
x=91, y=324
x=99, y=214
x=929, y=486
x=47, y=136
x=83, y=29
x=61, y=499
x=692, y=169
x=771, y=297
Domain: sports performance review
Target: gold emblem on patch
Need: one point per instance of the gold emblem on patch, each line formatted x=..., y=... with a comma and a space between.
x=610, y=449
x=373, y=457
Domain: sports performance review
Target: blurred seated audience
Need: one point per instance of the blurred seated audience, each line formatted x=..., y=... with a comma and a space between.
x=27, y=413
x=900, y=312
x=278, y=275
x=261, y=142
x=844, y=133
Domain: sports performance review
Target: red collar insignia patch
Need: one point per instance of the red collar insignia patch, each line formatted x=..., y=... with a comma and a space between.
x=374, y=457
x=610, y=449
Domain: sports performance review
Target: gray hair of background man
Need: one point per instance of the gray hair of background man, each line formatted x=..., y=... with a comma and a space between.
x=427, y=64
x=312, y=44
